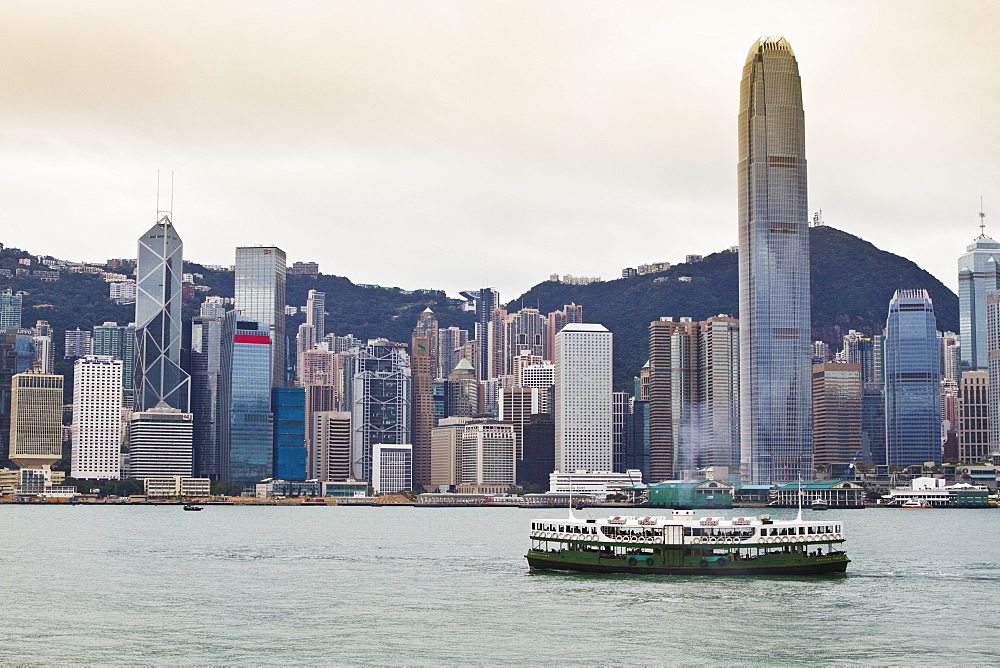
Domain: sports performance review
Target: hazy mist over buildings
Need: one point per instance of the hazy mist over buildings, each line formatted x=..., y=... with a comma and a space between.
x=393, y=142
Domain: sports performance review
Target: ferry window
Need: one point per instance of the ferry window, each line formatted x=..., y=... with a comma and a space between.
x=802, y=530
x=812, y=530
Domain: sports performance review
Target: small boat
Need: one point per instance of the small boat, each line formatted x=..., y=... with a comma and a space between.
x=682, y=544
x=819, y=504
x=190, y=507
x=917, y=503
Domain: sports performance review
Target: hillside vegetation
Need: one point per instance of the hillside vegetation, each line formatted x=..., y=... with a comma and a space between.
x=852, y=282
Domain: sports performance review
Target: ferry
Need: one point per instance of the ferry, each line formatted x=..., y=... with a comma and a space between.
x=682, y=544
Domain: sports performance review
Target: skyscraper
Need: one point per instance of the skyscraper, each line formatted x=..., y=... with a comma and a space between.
x=246, y=438
x=836, y=412
x=693, y=395
x=260, y=297
x=36, y=403
x=316, y=312
x=206, y=368
x=377, y=385
x=775, y=353
x=159, y=378
x=912, y=381
x=583, y=407
x=422, y=404
x=97, y=418
x=977, y=274
x=486, y=301
x=288, y=405
x=10, y=309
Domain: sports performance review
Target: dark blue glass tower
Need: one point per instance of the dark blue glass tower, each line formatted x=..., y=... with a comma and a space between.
x=246, y=438
x=288, y=404
x=912, y=381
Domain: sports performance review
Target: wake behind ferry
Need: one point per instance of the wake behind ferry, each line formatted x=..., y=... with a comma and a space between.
x=685, y=545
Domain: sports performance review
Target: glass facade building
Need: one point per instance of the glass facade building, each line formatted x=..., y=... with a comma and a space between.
x=288, y=404
x=977, y=275
x=159, y=378
x=10, y=309
x=246, y=434
x=260, y=297
x=912, y=381
x=775, y=328
x=377, y=384
x=17, y=352
x=206, y=369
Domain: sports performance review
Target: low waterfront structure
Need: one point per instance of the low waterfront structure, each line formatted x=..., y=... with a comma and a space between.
x=42, y=482
x=690, y=494
x=934, y=492
x=835, y=493
x=172, y=486
x=593, y=483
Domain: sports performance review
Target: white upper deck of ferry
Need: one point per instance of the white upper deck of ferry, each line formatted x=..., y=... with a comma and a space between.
x=683, y=528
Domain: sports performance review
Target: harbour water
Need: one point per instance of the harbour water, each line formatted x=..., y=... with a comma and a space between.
x=403, y=585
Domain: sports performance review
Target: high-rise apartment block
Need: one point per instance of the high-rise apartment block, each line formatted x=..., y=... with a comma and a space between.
x=260, y=297
x=836, y=412
x=118, y=342
x=978, y=274
x=450, y=343
x=316, y=312
x=693, y=395
x=912, y=380
x=583, y=410
x=570, y=314
x=97, y=418
x=76, y=343
x=775, y=327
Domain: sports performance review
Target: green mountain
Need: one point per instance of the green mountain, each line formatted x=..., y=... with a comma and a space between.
x=852, y=283
x=81, y=300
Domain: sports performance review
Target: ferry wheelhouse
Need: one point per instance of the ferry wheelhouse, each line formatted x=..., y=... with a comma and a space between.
x=685, y=545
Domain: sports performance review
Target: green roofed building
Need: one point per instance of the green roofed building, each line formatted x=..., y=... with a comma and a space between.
x=836, y=494
x=691, y=494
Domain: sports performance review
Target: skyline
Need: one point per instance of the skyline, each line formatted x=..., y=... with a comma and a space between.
x=456, y=122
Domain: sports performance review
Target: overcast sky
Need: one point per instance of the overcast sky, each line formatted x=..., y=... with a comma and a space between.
x=466, y=143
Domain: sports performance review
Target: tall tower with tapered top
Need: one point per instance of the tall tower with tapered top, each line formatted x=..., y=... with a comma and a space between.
x=775, y=384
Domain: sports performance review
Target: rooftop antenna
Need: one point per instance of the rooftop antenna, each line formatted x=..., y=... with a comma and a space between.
x=982, y=218
x=160, y=213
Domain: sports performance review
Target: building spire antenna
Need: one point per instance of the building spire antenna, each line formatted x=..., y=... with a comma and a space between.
x=982, y=218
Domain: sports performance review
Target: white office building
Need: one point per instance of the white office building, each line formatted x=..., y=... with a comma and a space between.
x=392, y=467
x=97, y=418
x=583, y=409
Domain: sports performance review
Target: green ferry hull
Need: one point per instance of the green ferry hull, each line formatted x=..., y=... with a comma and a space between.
x=792, y=566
